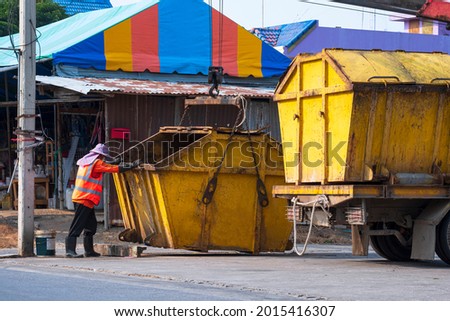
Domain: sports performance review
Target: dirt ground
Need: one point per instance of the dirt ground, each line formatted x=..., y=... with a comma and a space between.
x=59, y=220
x=51, y=219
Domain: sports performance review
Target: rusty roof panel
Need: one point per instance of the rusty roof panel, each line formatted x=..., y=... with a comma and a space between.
x=150, y=87
x=437, y=10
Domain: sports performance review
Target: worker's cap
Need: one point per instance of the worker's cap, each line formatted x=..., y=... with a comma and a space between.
x=100, y=149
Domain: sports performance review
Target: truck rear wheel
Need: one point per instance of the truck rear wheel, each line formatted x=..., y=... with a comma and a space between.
x=443, y=239
x=376, y=247
x=388, y=246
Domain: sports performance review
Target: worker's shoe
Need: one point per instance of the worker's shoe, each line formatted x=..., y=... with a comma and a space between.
x=88, y=243
x=71, y=244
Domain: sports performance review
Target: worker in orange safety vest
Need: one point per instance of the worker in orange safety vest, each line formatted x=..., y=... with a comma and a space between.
x=86, y=195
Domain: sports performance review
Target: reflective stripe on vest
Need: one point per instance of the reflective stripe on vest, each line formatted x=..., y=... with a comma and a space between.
x=85, y=190
x=86, y=186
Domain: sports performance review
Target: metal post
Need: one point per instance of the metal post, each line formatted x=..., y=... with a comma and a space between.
x=8, y=126
x=26, y=116
x=107, y=179
x=55, y=158
x=60, y=160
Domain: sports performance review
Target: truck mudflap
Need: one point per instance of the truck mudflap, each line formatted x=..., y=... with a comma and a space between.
x=424, y=231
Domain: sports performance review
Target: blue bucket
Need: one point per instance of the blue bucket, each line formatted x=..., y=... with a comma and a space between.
x=45, y=243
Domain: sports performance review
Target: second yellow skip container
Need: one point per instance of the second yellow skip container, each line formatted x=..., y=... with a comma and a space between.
x=360, y=116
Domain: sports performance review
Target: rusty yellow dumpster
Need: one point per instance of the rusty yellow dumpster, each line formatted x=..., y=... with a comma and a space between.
x=204, y=189
x=362, y=116
x=366, y=136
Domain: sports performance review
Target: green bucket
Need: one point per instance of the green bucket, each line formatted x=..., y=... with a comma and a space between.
x=45, y=243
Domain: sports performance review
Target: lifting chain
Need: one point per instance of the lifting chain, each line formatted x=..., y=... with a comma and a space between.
x=263, y=200
x=260, y=186
x=212, y=184
x=186, y=113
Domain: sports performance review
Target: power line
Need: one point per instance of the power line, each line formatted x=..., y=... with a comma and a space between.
x=352, y=9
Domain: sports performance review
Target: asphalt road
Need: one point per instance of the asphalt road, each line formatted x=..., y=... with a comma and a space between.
x=42, y=284
x=326, y=272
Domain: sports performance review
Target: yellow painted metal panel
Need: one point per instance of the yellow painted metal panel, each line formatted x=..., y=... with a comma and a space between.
x=292, y=82
x=331, y=190
x=408, y=67
x=311, y=75
x=360, y=66
x=158, y=214
x=426, y=68
x=238, y=216
x=415, y=192
x=411, y=121
x=289, y=116
x=339, y=110
x=442, y=144
x=403, y=135
x=139, y=200
x=274, y=226
x=375, y=127
x=313, y=144
x=154, y=189
x=365, y=191
x=332, y=77
x=181, y=192
x=123, y=200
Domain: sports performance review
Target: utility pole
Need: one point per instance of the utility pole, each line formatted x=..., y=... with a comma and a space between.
x=26, y=130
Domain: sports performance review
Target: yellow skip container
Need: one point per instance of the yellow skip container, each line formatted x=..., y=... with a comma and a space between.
x=361, y=116
x=188, y=195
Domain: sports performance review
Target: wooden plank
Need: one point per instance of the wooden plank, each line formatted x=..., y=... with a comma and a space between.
x=360, y=240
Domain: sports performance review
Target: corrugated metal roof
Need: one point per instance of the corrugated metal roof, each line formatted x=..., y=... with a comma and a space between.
x=438, y=10
x=150, y=87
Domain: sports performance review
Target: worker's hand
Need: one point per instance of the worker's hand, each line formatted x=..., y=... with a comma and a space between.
x=127, y=166
x=136, y=163
x=114, y=161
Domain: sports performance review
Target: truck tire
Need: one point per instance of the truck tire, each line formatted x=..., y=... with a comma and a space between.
x=388, y=246
x=443, y=239
x=376, y=247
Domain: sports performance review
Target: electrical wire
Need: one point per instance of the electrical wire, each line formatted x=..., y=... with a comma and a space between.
x=352, y=9
x=42, y=124
x=211, y=26
x=36, y=37
x=37, y=34
x=10, y=32
x=220, y=31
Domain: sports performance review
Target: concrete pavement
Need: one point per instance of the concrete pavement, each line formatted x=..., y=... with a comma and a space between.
x=325, y=272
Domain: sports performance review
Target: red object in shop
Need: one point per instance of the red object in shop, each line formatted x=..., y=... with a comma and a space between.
x=120, y=133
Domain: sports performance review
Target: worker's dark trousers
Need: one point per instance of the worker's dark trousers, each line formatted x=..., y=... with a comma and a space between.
x=84, y=220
